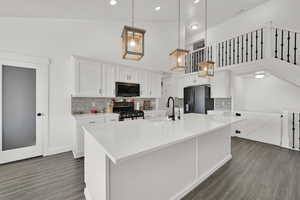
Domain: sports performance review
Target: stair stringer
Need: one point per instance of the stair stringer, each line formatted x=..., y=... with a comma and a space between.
x=283, y=70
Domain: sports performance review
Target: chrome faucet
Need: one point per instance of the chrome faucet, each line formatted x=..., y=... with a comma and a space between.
x=173, y=109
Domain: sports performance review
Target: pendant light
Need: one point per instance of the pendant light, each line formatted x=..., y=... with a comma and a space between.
x=133, y=40
x=207, y=67
x=178, y=55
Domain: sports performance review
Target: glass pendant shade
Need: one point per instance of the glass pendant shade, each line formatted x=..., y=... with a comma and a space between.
x=178, y=60
x=133, y=40
x=207, y=68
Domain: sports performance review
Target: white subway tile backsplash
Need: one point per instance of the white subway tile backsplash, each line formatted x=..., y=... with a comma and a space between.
x=223, y=103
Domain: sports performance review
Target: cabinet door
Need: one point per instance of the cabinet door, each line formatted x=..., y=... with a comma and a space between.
x=155, y=85
x=127, y=75
x=220, y=85
x=122, y=74
x=89, y=78
x=143, y=81
x=132, y=75
x=168, y=87
x=194, y=79
x=109, y=80
x=78, y=147
x=179, y=88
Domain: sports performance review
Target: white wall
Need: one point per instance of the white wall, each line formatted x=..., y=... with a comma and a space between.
x=270, y=94
x=59, y=39
x=265, y=95
x=283, y=13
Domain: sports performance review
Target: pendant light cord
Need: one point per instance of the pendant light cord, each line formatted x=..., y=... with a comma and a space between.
x=206, y=23
x=132, y=12
x=179, y=17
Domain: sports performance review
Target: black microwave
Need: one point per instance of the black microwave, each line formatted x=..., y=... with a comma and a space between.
x=127, y=89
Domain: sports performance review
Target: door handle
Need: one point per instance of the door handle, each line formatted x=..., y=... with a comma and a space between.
x=39, y=114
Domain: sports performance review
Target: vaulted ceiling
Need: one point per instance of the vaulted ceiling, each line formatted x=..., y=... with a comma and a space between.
x=219, y=10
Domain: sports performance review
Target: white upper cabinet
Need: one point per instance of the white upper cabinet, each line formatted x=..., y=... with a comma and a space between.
x=98, y=79
x=194, y=79
x=180, y=87
x=220, y=85
x=88, y=78
x=127, y=75
x=143, y=81
x=109, y=80
x=173, y=86
x=155, y=83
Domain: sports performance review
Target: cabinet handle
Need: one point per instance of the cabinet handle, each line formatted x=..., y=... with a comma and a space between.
x=92, y=122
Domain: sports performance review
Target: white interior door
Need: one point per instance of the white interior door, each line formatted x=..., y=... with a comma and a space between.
x=23, y=111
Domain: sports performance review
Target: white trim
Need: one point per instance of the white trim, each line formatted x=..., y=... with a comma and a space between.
x=197, y=182
x=39, y=63
x=77, y=155
x=87, y=194
x=57, y=150
x=78, y=57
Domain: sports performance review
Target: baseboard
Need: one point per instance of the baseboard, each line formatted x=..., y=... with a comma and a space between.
x=57, y=150
x=197, y=182
x=87, y=194
x=77, y=155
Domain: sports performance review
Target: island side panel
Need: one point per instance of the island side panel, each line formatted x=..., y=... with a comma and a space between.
x=158, y=175
x=170, y=173
x=96, y=170
x=214, y=150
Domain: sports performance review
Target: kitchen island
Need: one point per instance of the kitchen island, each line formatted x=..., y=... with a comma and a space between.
x=154, y=159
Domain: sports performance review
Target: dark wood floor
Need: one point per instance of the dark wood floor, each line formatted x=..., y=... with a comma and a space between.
x=257, y=172
x=57, y=177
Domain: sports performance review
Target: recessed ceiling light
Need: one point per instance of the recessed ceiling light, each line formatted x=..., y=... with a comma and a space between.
x=260, y=75
x=194, y=27
x=113, y=2
x=157, y=8
x=196, y=1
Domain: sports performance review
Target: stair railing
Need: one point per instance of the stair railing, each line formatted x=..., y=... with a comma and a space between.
x=294, y=131
x=244, y=48
x=198, y=56
x=265, y=42
x=286, y=45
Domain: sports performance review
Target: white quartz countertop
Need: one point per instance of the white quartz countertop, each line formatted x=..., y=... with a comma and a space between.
x=127, y=139
x=96, y=115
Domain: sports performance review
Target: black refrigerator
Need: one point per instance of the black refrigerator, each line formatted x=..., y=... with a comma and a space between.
x=197, y=99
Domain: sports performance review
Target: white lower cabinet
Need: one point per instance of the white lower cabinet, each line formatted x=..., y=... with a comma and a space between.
x=78, y=146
